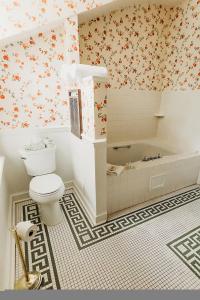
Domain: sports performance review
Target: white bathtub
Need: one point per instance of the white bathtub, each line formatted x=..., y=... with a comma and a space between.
x=149, y=179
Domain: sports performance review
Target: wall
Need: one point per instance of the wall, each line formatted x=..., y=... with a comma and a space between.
x=32, y=93
x=100, y=107
x=181, y=126
x=21, y=15
x=4, y=233
x=131, y=114
x=181, y=80
x=11, y=141
x=182, y=48
x=126, y=41
x=32, y=96
x=147, y=47
x=89, y=173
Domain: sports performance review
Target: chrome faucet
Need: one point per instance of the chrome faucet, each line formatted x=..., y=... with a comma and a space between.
x=147, y=158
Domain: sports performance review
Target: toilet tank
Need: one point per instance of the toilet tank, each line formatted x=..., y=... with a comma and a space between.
x=39, y=162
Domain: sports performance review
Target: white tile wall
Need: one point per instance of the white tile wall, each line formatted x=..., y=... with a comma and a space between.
x=181, y=126
x=131, y=114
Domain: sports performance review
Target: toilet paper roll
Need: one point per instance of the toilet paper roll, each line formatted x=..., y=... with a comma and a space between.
x=26, y=230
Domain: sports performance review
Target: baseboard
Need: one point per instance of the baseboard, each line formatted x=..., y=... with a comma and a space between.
x=18, y=197
x=95, y=219
x=101, y=218
x=11, y=247
x=83, y=201
x=69, y=184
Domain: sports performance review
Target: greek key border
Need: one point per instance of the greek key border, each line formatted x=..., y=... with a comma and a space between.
x=187, y=248
x=38, y=252
x=85, y=234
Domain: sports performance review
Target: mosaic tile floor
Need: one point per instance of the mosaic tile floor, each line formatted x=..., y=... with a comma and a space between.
x=153, y=246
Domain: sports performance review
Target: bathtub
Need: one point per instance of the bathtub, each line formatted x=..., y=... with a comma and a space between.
x=147, y=179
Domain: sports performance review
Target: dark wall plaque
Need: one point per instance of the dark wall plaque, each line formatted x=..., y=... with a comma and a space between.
x=76, y=112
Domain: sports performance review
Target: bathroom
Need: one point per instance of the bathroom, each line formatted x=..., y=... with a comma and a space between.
x=137, y=147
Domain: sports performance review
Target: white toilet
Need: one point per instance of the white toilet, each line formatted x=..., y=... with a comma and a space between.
x=46, y=188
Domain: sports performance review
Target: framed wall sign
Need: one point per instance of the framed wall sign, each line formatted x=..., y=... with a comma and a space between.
x=76, y=112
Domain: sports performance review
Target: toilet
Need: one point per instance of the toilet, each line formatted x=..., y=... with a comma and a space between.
x=45, y=188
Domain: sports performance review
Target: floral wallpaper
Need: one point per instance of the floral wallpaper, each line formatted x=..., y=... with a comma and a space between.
x=146, y=47
x=181, y=67
x=127, y=42
x=17, y=16
x=31, y=92
x=100, y=103
x=87, y=99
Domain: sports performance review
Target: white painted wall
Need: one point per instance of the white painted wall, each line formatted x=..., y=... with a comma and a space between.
x=12, y=140
x=83, y=167
x=180, y=128
x=131, y=114
x=101, y=180
x=89, y=174
x=4, y=232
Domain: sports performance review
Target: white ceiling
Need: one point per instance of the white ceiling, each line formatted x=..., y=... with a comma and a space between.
x=118, y=4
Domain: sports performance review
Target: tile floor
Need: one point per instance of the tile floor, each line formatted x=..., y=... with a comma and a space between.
x=155, y=245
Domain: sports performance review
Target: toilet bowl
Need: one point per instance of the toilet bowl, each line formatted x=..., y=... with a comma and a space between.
x=46, y=190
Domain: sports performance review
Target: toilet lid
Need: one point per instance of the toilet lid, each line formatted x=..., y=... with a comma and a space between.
x=46, y=184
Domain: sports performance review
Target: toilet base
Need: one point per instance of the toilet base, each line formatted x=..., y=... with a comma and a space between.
x=50, y=213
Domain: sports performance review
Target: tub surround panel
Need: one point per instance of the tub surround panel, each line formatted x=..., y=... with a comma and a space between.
x=180, y=127
x=131, y=114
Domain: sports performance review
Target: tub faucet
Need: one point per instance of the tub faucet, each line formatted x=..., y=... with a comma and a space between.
x=147, y=158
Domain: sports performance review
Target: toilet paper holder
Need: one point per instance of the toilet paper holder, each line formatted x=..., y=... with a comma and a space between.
x=29, y=280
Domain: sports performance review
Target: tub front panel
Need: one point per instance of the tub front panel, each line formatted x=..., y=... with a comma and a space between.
x=135, y=186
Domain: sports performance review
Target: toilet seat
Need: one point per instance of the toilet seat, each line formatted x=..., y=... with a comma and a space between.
x=45, y=185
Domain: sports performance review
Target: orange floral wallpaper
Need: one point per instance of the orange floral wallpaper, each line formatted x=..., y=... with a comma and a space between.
x=31, y=91
x=146, y=47
x=181, y=43
x=127, y=42
x=20, y=15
